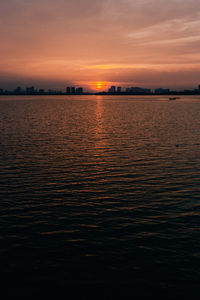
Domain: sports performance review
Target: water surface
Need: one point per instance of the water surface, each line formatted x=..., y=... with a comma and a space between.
x=100, y=193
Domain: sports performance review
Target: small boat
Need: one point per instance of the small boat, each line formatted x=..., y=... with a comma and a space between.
x=173, y=98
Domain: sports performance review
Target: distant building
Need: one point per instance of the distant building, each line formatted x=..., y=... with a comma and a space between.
x=147, y=91
x=1, y=91
x=68, y=90
x=79, y=91
x=189, y=92
x=119, y=89
x=137, y=91
x=52, y=92
x=161, y=91
x=41, y=91
x=73, y=90
x=30, y=90
x=112, y=89
x=18, y=90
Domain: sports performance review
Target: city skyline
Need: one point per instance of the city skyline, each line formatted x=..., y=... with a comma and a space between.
x=112, y=90
x=150, y=43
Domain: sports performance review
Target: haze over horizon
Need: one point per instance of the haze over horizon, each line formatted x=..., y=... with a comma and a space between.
x=147, y=43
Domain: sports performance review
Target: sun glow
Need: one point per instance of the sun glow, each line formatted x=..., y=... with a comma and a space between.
x=99, y=85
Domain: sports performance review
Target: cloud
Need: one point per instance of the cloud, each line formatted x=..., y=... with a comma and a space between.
x=67, y=39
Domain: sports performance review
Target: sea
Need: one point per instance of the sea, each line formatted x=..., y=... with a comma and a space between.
x=100, y=197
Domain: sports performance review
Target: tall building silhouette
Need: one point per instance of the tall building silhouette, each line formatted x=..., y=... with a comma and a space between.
x=18, y=90
x=73, y=90
x=30, y=90
x=119, y=89
x=68, y=90
x=79, y=91
x=112, y=89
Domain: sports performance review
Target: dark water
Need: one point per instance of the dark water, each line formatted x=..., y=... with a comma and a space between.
x=100, y=195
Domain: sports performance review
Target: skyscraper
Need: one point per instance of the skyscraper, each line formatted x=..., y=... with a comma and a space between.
x=68, y=90
x=73, y=90
x=79, y=91
x=119, y=89
x=30, y=90
x=112, y=89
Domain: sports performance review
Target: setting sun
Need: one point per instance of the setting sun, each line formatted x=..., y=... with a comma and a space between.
x=99, y=85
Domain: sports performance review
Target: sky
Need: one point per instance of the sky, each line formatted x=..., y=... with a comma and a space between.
x=55, y=43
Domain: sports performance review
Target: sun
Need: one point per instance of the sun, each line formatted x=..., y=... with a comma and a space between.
x=99, y=85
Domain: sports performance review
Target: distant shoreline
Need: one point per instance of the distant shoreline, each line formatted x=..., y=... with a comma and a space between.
x=105, y=94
